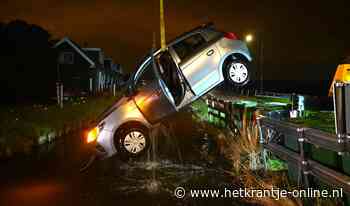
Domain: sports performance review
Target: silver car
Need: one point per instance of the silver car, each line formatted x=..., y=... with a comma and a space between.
x=167, y=80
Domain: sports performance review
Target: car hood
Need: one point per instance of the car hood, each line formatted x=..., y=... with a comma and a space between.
x=112, y=108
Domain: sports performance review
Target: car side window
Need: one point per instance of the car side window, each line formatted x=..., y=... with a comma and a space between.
x=189, y=46
x=145, y=77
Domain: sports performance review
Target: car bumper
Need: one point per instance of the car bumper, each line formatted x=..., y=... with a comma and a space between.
x=100, y=152
x=104, y=146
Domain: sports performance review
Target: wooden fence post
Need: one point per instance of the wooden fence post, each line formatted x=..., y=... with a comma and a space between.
x=58, y=93
x=61, y=95
x=90, y=85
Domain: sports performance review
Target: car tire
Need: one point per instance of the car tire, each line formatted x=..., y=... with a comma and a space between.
x=237, y=72
x=132, y=141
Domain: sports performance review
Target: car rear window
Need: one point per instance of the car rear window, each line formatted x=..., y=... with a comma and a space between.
x=189, y=46
x=212, y=34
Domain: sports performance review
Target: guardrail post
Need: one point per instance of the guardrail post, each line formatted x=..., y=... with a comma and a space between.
x=341, y=100
x=338, y=100
x=303, y=161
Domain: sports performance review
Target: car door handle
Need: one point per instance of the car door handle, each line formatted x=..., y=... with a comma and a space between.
x=210, y=52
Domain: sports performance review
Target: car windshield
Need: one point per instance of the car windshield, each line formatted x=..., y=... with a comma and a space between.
x=140, y=67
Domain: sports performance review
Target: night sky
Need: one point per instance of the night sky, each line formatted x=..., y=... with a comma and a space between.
x=308, y=36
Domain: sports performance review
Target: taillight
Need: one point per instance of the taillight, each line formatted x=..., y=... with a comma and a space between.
x=231, y=35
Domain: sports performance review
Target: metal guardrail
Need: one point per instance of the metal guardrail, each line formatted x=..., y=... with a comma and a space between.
x=309, y=135
x=311, y=167
x=330, y=176
x=274, y=135
x=284, y=154
x=276, y=128
x=325, y=140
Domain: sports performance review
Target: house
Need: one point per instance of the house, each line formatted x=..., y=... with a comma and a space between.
x=117, y=68
x=83, y=70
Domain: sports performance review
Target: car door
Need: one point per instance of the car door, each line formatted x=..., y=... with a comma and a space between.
x=199, y=62
x=151, y=95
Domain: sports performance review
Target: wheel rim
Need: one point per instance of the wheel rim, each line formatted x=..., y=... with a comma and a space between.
x=134, y=142
x=238, y=73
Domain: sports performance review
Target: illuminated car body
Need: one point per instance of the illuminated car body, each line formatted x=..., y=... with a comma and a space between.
x=167, y=80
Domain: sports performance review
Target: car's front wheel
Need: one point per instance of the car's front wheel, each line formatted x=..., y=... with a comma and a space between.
x=133, y=141
x=236, y=72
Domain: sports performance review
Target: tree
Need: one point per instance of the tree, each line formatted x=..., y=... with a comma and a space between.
x=28, y=62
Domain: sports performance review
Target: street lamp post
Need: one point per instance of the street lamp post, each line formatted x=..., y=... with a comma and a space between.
x=259, y=54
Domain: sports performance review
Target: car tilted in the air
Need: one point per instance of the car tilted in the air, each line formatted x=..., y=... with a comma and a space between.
x=167, y=80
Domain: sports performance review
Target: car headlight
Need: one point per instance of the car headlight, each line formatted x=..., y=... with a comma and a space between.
x=92, y=135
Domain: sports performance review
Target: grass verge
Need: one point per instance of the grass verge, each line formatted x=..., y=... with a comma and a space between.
x=24, y=126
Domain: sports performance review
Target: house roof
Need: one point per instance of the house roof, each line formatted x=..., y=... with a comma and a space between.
x=78, y=49
x=95, y=54
x=92, y=49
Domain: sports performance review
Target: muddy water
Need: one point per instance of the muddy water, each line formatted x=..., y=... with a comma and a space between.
x=182, y=155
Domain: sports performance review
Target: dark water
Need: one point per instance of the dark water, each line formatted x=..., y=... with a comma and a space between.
x=182, y=155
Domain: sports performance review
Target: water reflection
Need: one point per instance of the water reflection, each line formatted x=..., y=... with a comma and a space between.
x=183, y=154
x=179, y=156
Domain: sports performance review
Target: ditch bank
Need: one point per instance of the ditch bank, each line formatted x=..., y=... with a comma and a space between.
x=35, y=130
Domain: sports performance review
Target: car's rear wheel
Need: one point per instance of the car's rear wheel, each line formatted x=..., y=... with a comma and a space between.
x=236, y=72
x=133, y=141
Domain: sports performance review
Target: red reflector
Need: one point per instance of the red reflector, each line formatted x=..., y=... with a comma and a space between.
x=230, y=35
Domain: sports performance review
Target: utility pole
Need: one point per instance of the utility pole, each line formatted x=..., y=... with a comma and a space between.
x=162, y=26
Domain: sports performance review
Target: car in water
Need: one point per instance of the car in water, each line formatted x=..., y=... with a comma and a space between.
x=167, y=80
